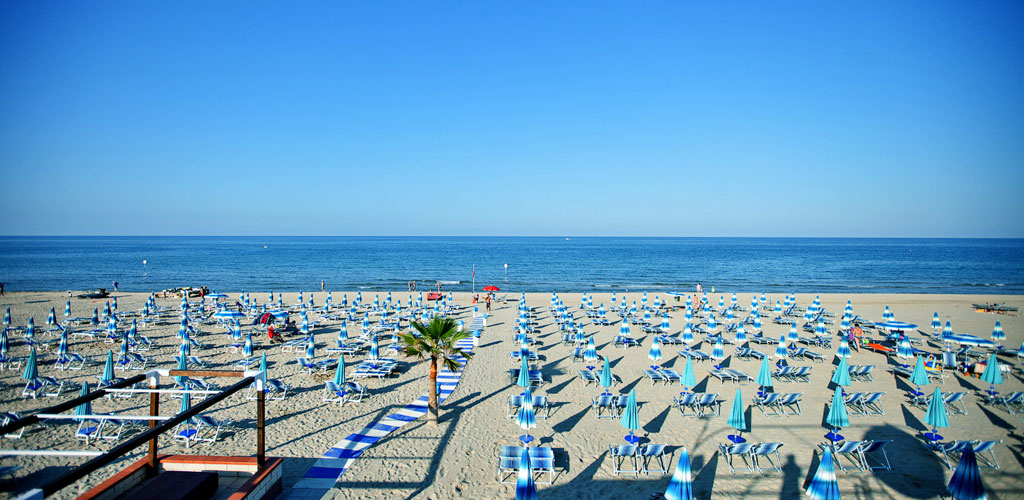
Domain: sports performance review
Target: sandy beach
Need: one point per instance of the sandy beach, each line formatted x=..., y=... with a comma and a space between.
x=457, y=458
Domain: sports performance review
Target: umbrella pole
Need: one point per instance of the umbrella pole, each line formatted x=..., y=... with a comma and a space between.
x=154, y=410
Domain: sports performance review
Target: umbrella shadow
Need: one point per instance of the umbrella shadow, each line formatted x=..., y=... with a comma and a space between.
x=558, y=388
x=671, y=362
x=918, y=468
x=655, y=424
x=570, y=422
x=812, y=469
x=704, y=481
x=630, y=386
x=996, y=419
x=965, y=384
x=911, y=420
x=702, y=386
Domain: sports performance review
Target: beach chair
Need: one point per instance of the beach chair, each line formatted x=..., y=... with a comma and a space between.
x=603, y=406
x=651, y=453
x=9, y=362
x=624, y=341
x=273, y=390
x=1013, y=402
x=577, y=354
x=619, y=454
x=670, y=376
x=791, y=401
x=354, y=392
x=869, y=404
x=43, y=386
x=332, y=393
x=743, y=452
x=849, y=449
x=588, y=377
x=708, y=402
x=71, y=361
x=811, y=355
x=852, y=401
x=951, y=452
x=669, y=340
x=739, y=377
x=542, y=460
x=686, y=401
x=748, y=353
x=765, y=451
x=768, y=404
x=981, y=447
x=862, y=373
x=722, y=375
x=9, y=417
x=782, y=373
x=875, y=447
x=207, y=429
x=654, y=376
x=536, y=378
x=801, y=374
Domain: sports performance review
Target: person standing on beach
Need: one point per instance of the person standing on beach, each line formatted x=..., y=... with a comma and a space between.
x=488, y=301
x=414, y=285
x=1, y=289
x=115, y=286
x=321, y=285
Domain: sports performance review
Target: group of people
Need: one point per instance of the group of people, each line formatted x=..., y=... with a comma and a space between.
x=487, y=299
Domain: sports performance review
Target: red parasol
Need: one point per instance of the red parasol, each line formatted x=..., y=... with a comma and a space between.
x=491, y=288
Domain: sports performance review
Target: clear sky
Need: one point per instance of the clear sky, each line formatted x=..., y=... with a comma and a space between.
x=513, y=118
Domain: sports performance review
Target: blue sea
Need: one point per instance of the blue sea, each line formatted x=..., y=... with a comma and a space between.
x=535, y=264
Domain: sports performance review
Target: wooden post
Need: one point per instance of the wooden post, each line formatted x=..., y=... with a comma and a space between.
x=154, y=410
x=261, y=453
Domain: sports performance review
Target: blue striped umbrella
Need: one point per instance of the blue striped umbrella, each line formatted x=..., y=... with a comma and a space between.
x=689, y=302
x=741, y=335
x=780, y=349
x=374, y=348
x=624, y=328
x=263, y=363
x=1020, y=351
x=936, y=416
x=689, y=379
x=632, y=310
x=525, y=489
x=936, y=323
x=3, y=343
x=31, y=371
x=236, y=331
x=647, y=315
x=718, y=353
x=51, y=319
x=305, y=327
x=106, y=310
x=997, y=332
x=311, y=348
x=843, y=351
x=793, y=336
x=108, y=368
x=729, y=316
x=366, y=323
x=606, y=374
x=737, y=416
x=919, y=377
x=842, y=375
x=655, y=352
x=903, y=349
x=721, y=302
x=886, y=314
x=182, y=365
x=712, y=324
x=820, y=330
x=600, y=310
x=613, y=299
x=643, y=300
x=630, y=416
x=778, y=307
x=837, y=416
x=30, y=329
x=764, y=375
x=590, y=354
x=688, y=333
x=299, y=301
x=114, y=305
x=581, y=337
x=524, y=374
x=966, y=481
x=228, y=315
x=665, y=326
x=94, y=320
x=343, y=332
x=133, y=332
x=339, y=373
x=86, y=407
x=185, y=348
x=733, y=299
x=112, y=326
x=757, y=323
x=947, y=331
x=849, y=308
x=62, y=348
x=992, y=374
x=845, y=324
x=526, y=419
x=824, y=485
x=247, y=347
x=689, y=315
x=145, y=309
x=787, y=302
x=7, y=318
x=681, y=485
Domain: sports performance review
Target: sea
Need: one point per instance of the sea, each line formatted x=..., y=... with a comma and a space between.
x=514, y=264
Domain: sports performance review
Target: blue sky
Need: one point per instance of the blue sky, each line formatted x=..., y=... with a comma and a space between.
x=512, y=118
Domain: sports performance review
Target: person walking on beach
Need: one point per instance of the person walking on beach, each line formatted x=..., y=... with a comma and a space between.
x=321, y=285
x=414, y=285
x=488, y=301
x=115, y=286
x=1, y=289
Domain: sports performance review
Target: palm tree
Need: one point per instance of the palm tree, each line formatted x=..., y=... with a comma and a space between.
x=436, y=340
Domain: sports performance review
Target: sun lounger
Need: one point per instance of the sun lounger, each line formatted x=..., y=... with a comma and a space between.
x=670, y=376
x=768, y=404
x=651, y=453
x=782, y=373
x=695, y=355
x=850, y=450
x=740, y=377
x=708, y=404
x=811, y=355
x=604, y=406
x=541, y=408
x=763, y=339
x=542, y=460
x=588, y=377
x=9, y=417
x=619, y=454
x=801, y=374
x=687, y=402
x=741, y=451
x=536, y=378
x=669, y=340
x=951, y=452
x=862, y=372
x=790, y=401
x=624, y=341
x=723, y=375
x=875, y=447
x=654, y=376
x=764, y=451
x=1013, y=402
x=747, y=353
x=43, y=386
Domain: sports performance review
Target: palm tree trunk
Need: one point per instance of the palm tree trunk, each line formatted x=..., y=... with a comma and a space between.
x=432, y=409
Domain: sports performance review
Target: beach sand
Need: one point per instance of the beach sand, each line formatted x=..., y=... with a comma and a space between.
x=457, y=458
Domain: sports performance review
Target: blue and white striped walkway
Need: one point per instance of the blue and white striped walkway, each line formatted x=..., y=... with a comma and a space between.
x=332, y=464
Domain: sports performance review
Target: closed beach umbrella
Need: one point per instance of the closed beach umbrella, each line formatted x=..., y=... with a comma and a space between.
x=311, y=348
x=849, y=308
x=824, y=485
x=997, y=331
x=919, y=377
x=114, y=305
x=111, y=327
x=186, y=403
x=778, y=307
x=7, y=318
x=764, y=375
x=339, y=373
x=108, y=368
x=86, y=407
x=236, y=331
x=94, y=320
x=718, y=353
x=687, y=334
x=3, y=343
x=631, y=416
x=845, y=323
x=374, y=348
x=966, y=481
x=524, y=374
x=606, y=374
x=624, y=328
x=780, y=349
x=936, y=323
x=842, y=375
x=343, y=333
x=647, y=315
x=757, y=322
x=947, y=330
x=133, y=332
x=741, y=335
x=62, y=347
x=737, y=416
x=886, y=314
x=903, y=349
x=820, y=330
x=655, y=353
x=51, y=319
x=30, y=329
x=182, y=365
x=712, y=324
x=843, y=351
x=263, y=363
x=729, y=316
x=247, y=347
x=526, y=419
x=992, y=373
x=837, y=416
x=936, y=416
x=581, y=337
x=591, y=352
x=793, y=336
x=665, y=327
x=31, y=371
x=681, y=485
x=184, y=350
x=525, y=489
x=689, y=379
x=305, y=326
